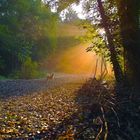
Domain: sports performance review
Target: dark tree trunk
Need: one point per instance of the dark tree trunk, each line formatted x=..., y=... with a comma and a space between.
x=116, y=66
x=129, y=11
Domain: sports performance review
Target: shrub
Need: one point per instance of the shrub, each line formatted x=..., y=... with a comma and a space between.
x=2, y=77
x=29, y=69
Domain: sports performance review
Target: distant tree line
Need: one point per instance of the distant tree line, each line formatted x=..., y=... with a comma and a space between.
x=27, y=35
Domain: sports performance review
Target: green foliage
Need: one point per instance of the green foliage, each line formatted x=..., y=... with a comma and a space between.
x=97, y=39
x=27, y=29
x=96, y=34
x=65, y=3
x=67, y=42
x=2, y=65
x=2, y=77
x=69, y=15
x=29, y=69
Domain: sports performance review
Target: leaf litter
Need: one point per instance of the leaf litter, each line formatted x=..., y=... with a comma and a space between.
x=48, y=115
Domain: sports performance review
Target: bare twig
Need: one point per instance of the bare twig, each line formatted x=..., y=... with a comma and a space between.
x=116, y=116
x=98, y=135
x=105, y=124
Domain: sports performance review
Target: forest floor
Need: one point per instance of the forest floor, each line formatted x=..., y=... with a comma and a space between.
x=20, y=87
x=66, y=108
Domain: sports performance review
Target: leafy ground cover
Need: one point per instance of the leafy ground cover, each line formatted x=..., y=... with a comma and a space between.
x=30, y=115
x=74, y=111
x=60, y=113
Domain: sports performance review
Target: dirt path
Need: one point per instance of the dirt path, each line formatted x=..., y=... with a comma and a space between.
x=22, y=87
x=43, y=115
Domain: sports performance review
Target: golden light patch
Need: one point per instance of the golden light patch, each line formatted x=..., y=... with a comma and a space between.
x=75, y=60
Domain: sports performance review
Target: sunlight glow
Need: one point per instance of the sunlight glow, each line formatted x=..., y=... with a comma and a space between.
x=76, y=60
x=79, y=10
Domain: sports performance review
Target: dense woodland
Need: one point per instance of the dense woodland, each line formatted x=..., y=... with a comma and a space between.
x=31, y=31
x=28, y=33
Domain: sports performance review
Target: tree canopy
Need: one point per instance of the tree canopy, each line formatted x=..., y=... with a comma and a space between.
x=27, y=29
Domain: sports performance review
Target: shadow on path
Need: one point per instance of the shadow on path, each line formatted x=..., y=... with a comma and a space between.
x=86, y=123
x=100, y=117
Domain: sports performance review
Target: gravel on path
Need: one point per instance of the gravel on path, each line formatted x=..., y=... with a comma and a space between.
x=21, y=87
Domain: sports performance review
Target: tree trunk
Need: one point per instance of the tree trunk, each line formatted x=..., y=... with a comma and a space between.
x=116, y=66
x=130, y=34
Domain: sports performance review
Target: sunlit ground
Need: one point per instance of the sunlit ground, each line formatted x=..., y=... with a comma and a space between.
x=75, y=60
